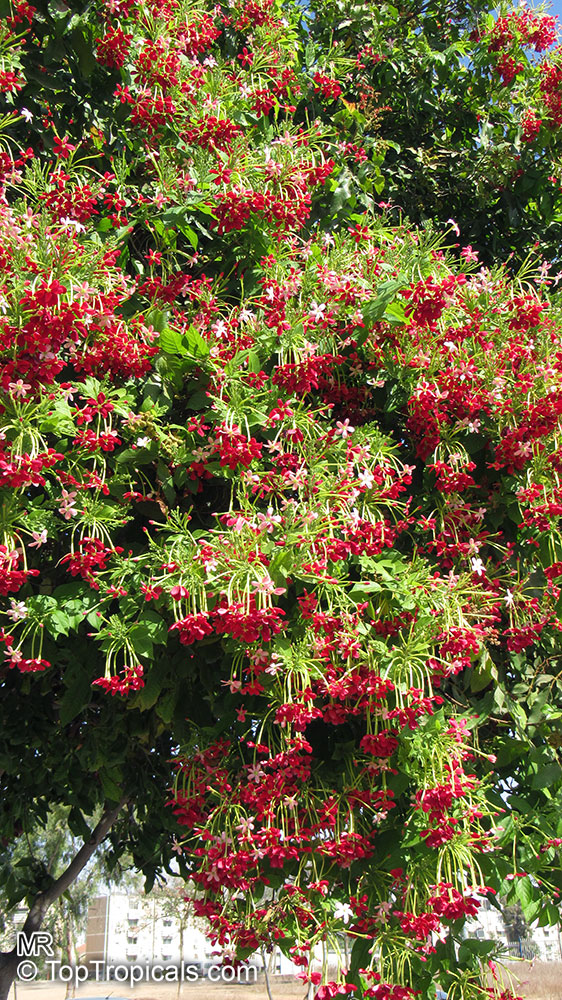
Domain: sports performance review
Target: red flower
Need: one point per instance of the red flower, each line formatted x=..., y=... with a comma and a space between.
x=192, y=627
x=62, y=147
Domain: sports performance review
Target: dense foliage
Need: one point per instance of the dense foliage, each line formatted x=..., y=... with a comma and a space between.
x=280, y=471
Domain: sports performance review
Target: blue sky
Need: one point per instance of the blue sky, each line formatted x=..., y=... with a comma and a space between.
x=557, y=9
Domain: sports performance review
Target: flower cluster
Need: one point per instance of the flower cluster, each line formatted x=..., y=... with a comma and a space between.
x=292, y=472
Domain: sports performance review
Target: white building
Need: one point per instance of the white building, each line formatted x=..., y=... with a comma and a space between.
x=129, y=928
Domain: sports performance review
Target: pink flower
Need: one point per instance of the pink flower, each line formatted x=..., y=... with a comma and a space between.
x=19, y=389
x=343, y=429
x=266, y=586
x=67, y=508
x=468, y=254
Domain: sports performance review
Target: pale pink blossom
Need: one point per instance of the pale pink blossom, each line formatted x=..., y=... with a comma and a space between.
x=19, y=389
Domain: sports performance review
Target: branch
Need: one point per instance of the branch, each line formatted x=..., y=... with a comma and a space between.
x=43, y=901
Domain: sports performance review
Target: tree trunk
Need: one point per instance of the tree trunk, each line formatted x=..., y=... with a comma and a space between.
x=71, y=984
x=8, y=967
x=182, y=931
x=266, y=973
x=10, y=960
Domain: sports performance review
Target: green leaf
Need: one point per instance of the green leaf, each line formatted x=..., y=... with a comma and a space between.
x=191, y=236
x=549, y=916
x=342, y=192
x=174, y=216
x=474, y=946
x=547, y=775
x=376, y=309
x=165, y=707
x=111, y=789
x=157, y=318
x=171, y=342
x=190, y=344
x=137, y=456
x=155, y=626
x=58, y=623
x=198, y=401
x=483, y=673
x=148, y=695
x=371, y=587
x=141, y=641
x=195, y=343
x=77, y=695
x=84, y=50
x=360, y=957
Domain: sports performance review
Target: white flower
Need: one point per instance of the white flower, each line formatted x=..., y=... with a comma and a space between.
x=273, y=168
x=509, y=599
x=220, y=328
x=223, y=838
x=82, y=290
x=27, y=114
x=68, y=223
x=366, y=478
x=473, y=547
x=317, y=311
x=132, y=419
x=382, y=911
x=143, y=442
x=343, y=911
x=246, y=315
x=478, y=567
